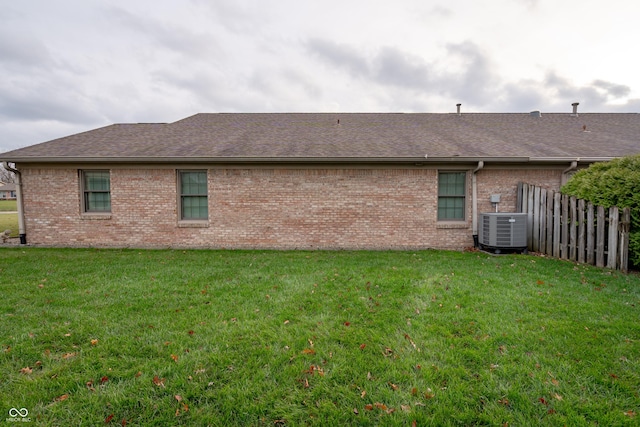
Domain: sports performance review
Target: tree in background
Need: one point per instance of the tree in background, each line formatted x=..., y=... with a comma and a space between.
x=6, y=176
x=614, y=183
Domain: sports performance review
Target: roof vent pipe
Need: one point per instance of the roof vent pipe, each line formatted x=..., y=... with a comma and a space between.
x=575, y=109
x=458, y=107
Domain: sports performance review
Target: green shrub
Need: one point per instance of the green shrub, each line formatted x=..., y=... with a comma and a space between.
x=614, y=183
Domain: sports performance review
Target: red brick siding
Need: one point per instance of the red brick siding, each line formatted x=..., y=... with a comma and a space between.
x=266, y=208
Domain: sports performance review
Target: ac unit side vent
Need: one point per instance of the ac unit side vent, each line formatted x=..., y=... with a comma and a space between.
x=503, y=230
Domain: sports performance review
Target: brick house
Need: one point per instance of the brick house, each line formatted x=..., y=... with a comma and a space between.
x=7, y=191
x=302, y=180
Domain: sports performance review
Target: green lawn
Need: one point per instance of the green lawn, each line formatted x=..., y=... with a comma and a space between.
x=8, y=206
x=128, y=337
x=9, y=221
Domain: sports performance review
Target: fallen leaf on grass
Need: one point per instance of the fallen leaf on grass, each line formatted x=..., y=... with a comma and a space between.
x=308, y=351
x=26, y=371
x=178, y=397
x=380, y=406
x=174, y=357
x=362, y=346
x=68, y=355
x=543, y=401
x=104, y=379
x=411, y=341
x=630, y=414
x=393, y=386
x=363, y=394
x=158, y=381
x=94, y=342
x=355, y=411
x=557, y=396
x=405, y=408
x=347, y=323
x=61, y=398
x=368, y=407
x=108, y=419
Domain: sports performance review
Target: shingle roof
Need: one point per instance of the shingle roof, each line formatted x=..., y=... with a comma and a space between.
x=317, y=136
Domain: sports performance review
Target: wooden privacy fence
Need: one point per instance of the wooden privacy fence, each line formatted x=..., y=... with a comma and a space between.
x=569, y=228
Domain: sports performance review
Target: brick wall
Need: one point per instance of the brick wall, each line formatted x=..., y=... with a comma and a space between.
x=302, y=208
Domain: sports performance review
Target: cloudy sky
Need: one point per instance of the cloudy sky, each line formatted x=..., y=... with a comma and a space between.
x=67, y=66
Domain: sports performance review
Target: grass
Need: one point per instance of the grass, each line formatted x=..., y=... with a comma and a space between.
x=9, y=221
x=127, y=337
x=8, y=206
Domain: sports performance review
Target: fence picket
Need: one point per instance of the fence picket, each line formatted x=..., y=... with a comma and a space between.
x=600, y=226
x=581, y=231
x=612, y=247
x=550, y=225
x=557, y=203
x=564, y=226
x=591, y=230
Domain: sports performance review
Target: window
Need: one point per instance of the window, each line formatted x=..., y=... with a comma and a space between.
x=451, y=196
x=193, y=195
x=96, y=191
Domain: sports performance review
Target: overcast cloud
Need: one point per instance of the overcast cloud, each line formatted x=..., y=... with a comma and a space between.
x=68, y=66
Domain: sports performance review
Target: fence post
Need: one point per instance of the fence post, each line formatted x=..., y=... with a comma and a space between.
x=612, y=246
x=519, y=197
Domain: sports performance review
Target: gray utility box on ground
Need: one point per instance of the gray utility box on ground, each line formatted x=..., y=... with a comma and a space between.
x=503, y=231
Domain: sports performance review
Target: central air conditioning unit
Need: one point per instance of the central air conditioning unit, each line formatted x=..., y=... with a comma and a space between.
x=503, y=231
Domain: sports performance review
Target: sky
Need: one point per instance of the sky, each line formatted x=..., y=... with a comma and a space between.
x=68, y=66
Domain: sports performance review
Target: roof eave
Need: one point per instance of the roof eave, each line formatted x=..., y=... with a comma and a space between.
x=290, y=160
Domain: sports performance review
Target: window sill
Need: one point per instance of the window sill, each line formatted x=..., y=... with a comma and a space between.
x=193, y=224
x=452, y=224
x=95, y=215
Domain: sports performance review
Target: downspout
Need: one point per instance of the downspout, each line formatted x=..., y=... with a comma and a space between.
x=474, y=196
x=21, y=228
